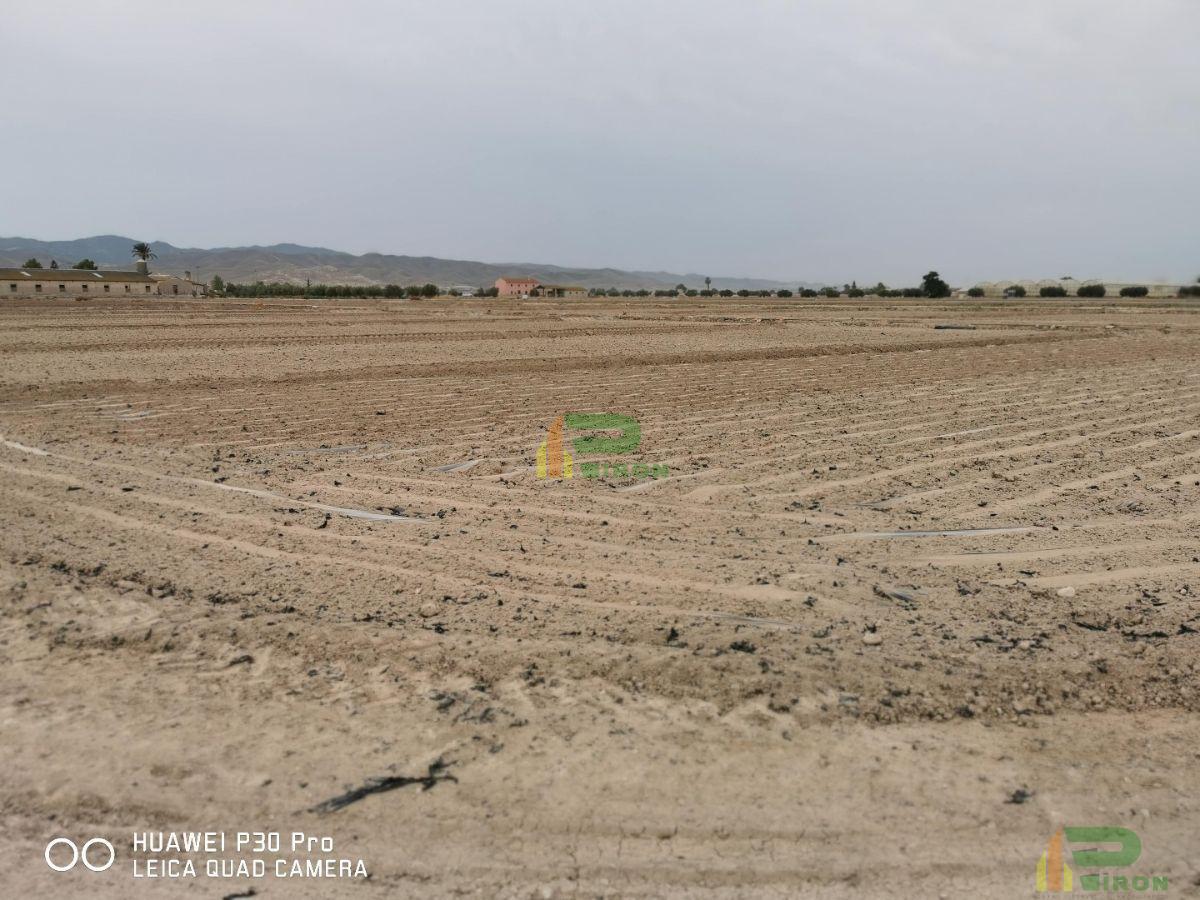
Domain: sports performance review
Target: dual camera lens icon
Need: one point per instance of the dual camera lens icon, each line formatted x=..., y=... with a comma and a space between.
x=80, y=854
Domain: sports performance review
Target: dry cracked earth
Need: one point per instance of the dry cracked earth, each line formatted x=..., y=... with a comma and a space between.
x=922, y=586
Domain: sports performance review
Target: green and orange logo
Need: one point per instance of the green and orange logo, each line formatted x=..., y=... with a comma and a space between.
x=1106, y=847
x=554, y=460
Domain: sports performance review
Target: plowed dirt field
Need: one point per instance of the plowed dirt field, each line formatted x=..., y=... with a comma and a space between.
x=920, y=586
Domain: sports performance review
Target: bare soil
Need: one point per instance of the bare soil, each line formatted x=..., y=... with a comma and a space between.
x=910, y=599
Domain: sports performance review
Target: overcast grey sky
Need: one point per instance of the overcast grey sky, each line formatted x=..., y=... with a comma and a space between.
x=815, y=139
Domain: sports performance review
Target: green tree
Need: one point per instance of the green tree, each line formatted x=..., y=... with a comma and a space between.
x=54, y=263
x=85, y=264
x=429, y=290
x=218, y=284
x=933, y=286
x=708, y=283
x=142, y=252
x=31, y=264
x=1091, y=290
x=680, y=288
x=975, y=292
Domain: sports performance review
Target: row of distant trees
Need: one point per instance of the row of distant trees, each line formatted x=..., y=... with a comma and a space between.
x=396, y=291
x=339, y=291
x=1087, y=290
x=783, y=292
x=932, y=285
x=82, y=264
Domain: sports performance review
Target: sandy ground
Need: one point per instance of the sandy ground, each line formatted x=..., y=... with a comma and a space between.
x=911, y=598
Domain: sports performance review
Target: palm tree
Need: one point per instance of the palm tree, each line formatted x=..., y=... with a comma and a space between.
x=142, y=251
x=707, y=283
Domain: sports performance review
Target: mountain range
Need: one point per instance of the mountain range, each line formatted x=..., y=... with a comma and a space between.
x=296, y=263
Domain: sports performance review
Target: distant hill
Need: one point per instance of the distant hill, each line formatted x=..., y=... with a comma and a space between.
x=295, y=263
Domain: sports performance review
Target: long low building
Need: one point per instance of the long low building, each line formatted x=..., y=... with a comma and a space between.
x=74, y=283
x=34, y=282
x=559, y=290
